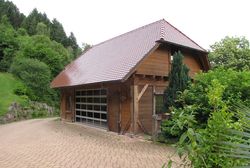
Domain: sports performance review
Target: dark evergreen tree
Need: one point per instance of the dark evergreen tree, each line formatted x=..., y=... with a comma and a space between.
x=31, y=21
x=73, y=44
x=178, y=80
x=57, y=33
x=12, y=12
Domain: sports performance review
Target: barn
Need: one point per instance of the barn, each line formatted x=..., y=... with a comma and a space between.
x=118, y=84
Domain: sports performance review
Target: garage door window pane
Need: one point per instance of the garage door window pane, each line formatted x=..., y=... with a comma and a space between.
x=96, y=115
x=77, y=112
x=103, y=108
x=104, y=116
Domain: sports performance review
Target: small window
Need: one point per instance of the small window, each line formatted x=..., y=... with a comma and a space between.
x=171, y=58
x=68, y=103
x=159, y=104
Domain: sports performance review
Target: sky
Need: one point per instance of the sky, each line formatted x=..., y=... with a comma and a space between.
x=94, y=21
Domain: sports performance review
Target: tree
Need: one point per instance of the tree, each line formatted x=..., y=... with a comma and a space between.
x=40, y=47
x=12, y=12
x=85, y=47
x=231, y=52
x=31, y=21
x=57, y=33
x=8, y=44
x=73, y=44
x=178, y=80
x=42, y=29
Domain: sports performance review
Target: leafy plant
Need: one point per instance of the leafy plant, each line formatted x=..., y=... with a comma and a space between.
x=210, y=146
x=240, y=147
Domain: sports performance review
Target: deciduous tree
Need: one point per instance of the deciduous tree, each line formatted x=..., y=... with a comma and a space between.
x=231, y=52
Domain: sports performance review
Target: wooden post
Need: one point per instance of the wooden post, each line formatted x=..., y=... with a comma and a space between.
x=135, y=109
x=154, y=116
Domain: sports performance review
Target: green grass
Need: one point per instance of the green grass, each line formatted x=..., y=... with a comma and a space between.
x=7, y=86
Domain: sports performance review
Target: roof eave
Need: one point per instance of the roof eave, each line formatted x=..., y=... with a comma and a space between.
x=162, y=41
x=94, y=83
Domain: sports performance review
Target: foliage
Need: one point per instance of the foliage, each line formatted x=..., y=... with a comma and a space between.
x=227, y=86
x=31, y=21
x=240, y=148
x=57, y=32
x=36, y=76
x=8, y=84
x=41, y=29
x=209, y=147
x=178, y=80
x=36, y=49
x=8, y=44
x=42, y=48
x=207, y=112
x=231, y=52
x=7, y=8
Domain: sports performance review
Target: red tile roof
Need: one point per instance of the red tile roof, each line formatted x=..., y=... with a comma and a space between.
x=113, y=59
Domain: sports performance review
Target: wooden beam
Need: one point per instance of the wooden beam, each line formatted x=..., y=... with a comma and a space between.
x=142, y=127
x=135, y=109
x=142, y=92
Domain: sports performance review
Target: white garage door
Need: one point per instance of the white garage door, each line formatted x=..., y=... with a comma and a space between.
x=91, y=107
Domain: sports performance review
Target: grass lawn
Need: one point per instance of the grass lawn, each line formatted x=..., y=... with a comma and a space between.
x=7, y=86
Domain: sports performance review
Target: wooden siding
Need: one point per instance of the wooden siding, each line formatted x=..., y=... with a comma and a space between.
x=155, y=64
x=192, y=63
x=158, y=63
x=126, y=100
x=146, y=110
x=113, y=108
x=66, y=114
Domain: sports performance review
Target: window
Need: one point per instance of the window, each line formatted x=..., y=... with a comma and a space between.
x=159, y=104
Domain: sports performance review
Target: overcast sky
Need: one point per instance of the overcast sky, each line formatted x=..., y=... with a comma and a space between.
x=93, y=21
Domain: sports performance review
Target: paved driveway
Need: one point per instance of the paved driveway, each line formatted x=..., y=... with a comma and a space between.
x=52, y=143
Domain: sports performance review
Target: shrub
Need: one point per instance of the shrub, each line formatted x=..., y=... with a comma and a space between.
x=36, y=75
x=228, y=85
x=206, y=114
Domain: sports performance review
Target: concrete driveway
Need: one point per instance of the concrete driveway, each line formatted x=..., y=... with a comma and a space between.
x=52, y=143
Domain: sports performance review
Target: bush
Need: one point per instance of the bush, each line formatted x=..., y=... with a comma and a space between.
x=207, y=112
x=229, y=85
x=36, y=75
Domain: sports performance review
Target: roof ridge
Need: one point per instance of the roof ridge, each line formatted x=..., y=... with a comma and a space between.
x=142, y=27
x=184, y=34
x=162, y=31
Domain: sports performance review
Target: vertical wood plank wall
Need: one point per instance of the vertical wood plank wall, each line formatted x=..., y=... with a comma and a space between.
x=64, y=113
x=146, y=109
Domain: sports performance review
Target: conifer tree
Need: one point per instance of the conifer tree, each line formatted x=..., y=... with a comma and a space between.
x=178, y=80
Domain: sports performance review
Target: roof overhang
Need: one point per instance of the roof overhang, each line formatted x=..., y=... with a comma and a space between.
x=203, y=54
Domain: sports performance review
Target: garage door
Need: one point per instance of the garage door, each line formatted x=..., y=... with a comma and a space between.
x=91, y=107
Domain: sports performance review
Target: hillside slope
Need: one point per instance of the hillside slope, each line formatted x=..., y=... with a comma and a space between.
x=7, y=86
